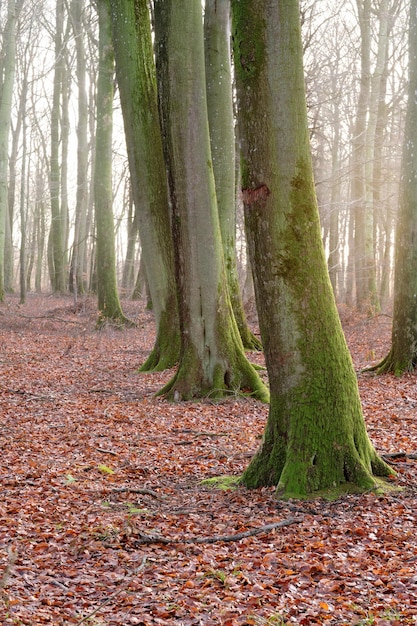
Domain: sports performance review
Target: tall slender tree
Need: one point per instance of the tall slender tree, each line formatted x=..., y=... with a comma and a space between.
x=402, y=356
x=7, y=72
x=77, y=282
x=222, y=142
x=108, y=299
x=315, y=437
x=136, y=79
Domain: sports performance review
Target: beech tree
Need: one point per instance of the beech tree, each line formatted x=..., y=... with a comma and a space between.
x=212, y=359
x=7, y=71
x=56, y=251
x=76, y=280
x=222, y=142
x=315, y=437
x=136, y=79
x=402, y=356
x=108, y=299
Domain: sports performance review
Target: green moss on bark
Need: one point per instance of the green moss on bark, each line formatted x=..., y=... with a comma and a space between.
x=248, y=39
x=166, y=351
x=216, y=369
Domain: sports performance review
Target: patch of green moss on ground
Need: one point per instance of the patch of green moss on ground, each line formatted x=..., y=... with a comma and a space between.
x=222, y=482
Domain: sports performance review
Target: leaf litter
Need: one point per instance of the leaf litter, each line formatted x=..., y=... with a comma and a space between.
x=93, y=465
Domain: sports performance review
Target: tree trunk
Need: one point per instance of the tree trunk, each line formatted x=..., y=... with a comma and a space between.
x=403, y=354
x=315, y=436
x=212, y=360
x=358, y=189
x=137, y=84
x=23, y=214
x=108, y=299
x=77, y=283
x=222, y=143
x=7, y=67
x=128, y=278
x=56, y=237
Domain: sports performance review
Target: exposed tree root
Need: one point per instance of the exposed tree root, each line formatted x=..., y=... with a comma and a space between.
x=143, y=492
x=392, y=365
x=149, y=539
x=398, y=455
x=117, y=321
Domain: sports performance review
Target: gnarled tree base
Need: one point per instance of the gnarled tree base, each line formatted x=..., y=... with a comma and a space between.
x=299, y=467
x=393, y=364
x=164, y=355
x=117, y=321
x=166, y=351
x=223, y=377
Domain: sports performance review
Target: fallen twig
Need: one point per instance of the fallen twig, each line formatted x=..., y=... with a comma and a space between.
x=398, y=455
x=107, y=451
x=143, y=492
x=113, y=595
x=148, y=539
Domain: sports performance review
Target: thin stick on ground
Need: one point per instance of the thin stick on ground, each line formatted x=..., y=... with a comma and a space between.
x=143, y=492
x=148, y=539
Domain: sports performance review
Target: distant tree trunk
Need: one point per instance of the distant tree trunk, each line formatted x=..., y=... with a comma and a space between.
x=402, y=356
x=136, y=78
x=358, y=189
x=212, y=360
x=376, y=95
x=56, y=237
x=77, y=284
x=7, y=67
x=128, y=277
x=23, y=218
x=315, y=437
x=350, y=268
x=39, y=226
x=141, y=288
x=65, y=135
x=222, y=142
x=108, y=300
x=333, y=261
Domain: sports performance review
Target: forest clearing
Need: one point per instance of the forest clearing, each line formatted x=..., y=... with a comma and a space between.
x=103, y=516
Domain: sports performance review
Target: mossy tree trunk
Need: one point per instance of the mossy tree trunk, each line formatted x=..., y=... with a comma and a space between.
x=108, y=299
x=223, y=150
x=403, y=353
x=315, y=437
x=136, y=79
x=212, y=360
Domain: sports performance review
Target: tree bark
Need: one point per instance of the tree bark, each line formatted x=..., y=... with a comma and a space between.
x=108, y=300
x=77, y=282
x=212, y=360
x=315, y=437
x=7, y=67
x=402, y=356
x=56, y=235
x=137, y=84
x=358, y=187
x=222, y=143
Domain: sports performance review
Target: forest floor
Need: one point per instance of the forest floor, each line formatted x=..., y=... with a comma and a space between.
x=92, y=465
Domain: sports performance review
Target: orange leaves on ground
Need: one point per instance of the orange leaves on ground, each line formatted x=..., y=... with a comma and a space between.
x=73, y=404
